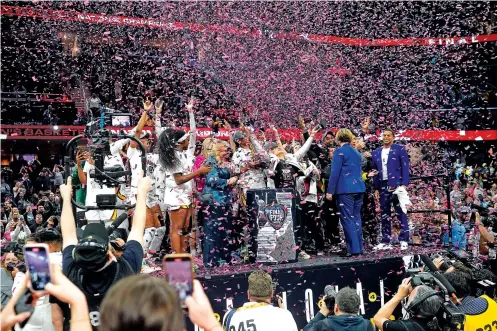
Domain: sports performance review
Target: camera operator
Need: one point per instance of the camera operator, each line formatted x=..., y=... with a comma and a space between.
x=90, y=263
x=94, y=188
x=423, y=305
x=342, y=315
x=480, y=312
x=258, y=314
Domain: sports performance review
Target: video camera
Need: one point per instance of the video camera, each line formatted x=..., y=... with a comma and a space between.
x=449, y=317
x=99, y=141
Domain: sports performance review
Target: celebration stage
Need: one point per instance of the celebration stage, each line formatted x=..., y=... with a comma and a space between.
x=375, y=275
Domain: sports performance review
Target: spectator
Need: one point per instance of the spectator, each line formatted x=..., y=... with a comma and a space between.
x=4, y=188
x=8, y=272
x=42, y=183
x=344, y=317
x=423, y=304
x=21, y=232
x=28, y=215
x=61, y=288
x=94, y=103
x=258, y=313
x=38, y=223
x=132, y=304
x=58, y=176
x=89, y=262
x=479, y=311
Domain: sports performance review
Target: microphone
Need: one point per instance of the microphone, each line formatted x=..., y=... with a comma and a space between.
x=436, y=273
x=115, y=224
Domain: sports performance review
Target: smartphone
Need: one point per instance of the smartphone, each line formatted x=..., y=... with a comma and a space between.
x=37, y=261
x=179, y=274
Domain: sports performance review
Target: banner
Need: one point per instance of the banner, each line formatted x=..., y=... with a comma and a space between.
x=272, y=213
x=302, y=285
x=62, y=15
x=66, y=132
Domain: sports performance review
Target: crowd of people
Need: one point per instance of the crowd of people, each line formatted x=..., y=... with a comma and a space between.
x=193, y=199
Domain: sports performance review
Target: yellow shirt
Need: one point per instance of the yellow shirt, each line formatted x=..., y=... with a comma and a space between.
x=484, y=321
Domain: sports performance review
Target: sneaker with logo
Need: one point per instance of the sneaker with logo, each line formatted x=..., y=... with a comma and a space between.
x=382, y=246
x=304, y=256
x=403, y=245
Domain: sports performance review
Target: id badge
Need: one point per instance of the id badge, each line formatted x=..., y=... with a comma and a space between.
x=492, y=253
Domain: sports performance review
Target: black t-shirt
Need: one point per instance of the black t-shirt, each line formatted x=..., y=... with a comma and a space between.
x=96, y=284
x=285, y=175
x=412, y=324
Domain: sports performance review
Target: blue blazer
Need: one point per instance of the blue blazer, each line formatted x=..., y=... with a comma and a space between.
x=397, y=166
x=346, y=172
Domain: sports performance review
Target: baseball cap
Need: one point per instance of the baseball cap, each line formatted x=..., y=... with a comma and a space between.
x=91, y=250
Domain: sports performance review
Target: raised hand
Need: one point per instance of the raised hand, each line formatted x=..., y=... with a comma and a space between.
x=66, y=190
x=301, y=122
x=189, y=105
x=158, y=105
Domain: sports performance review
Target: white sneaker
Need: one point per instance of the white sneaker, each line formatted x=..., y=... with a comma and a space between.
x=304, y=256
x=403, y=245
x=382, y=246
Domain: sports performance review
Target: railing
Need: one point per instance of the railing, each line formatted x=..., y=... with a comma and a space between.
x=20, y=96
x=447, y=211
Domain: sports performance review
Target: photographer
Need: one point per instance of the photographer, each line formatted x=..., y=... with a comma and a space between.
x=86, y=165
x=258, y=314
x=422, y=305
x=7, y=275
x=90, y=263
x=343, y=315
x=480, y=312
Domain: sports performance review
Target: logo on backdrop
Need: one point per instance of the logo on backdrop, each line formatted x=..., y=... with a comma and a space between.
x=275, y=215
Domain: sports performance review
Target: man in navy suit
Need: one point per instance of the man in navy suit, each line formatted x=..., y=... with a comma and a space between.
x=346, y=182
x=392, y=165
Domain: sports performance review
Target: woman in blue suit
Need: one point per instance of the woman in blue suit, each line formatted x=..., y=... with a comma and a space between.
x=347, y=184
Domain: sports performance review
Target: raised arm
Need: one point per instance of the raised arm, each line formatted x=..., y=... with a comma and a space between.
x=193, y=129
x=277, y=137
x=140, y=215
x=68, y=224
x=139, y=128
x=227, y=126
x=305, y=148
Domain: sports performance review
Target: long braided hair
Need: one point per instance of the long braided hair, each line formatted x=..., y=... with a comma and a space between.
x=168, y=147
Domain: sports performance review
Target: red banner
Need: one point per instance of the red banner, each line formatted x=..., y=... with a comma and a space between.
x=46, y=132
x=62, y=15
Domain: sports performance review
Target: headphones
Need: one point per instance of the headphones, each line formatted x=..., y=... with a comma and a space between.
x=413, y=307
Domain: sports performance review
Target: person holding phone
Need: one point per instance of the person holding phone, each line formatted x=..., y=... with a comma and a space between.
x=89, y=262
x=134, y=298
x=17, y=311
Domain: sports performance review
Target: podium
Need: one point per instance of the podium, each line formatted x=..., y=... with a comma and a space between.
x=272, y=222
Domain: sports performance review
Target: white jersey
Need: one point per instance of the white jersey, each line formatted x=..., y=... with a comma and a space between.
x=154, y=171
x=179, y=195
x=260, y=317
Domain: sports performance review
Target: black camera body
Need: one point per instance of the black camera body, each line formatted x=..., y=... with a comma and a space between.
x=449, y=317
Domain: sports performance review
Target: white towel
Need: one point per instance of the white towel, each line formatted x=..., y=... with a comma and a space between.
x=403, y=197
